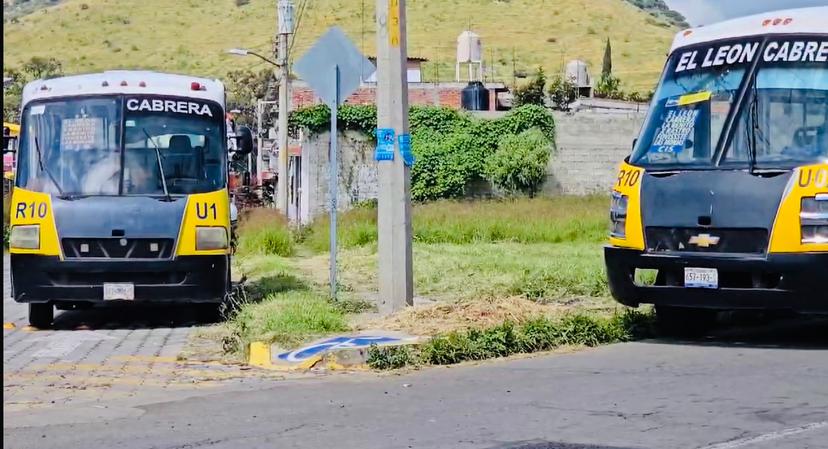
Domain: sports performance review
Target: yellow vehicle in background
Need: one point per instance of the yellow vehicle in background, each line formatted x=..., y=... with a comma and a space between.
x=723, y=203
x=11, y=132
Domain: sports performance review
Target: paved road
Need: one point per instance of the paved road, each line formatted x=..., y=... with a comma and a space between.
x=761, y=389
x=110, y=378
x=103, y=356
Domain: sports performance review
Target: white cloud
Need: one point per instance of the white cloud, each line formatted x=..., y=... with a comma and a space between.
x=702, y=12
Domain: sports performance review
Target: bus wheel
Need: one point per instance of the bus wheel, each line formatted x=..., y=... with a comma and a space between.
x=684, y=321
x=41, y=315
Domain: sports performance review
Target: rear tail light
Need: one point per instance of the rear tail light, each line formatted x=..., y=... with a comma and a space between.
x=813, y=219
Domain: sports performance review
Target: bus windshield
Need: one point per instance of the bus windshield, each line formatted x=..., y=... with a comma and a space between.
x=112, y=146
x=779, y=123
x=785, y=121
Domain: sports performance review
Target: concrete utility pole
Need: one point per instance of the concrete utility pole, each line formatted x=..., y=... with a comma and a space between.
x=285, y=30
x=396, y=287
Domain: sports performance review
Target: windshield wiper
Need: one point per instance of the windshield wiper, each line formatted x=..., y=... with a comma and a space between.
x=753, y=109
x=45, y=169
x=160, y=165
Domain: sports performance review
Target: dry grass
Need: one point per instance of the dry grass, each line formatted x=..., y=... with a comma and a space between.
x=192, y=35
x=441, y=318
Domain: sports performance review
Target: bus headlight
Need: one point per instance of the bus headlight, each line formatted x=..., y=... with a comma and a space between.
x=618, y=215
x=813, y=219
x=25, y=237
x=210, y=238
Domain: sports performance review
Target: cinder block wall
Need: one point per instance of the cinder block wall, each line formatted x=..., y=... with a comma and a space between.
x=590, y=146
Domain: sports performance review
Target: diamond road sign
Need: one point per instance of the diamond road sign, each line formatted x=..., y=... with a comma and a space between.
x=318, y=66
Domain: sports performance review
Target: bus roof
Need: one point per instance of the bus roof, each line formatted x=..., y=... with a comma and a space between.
x=125, y=82
x=790, y=21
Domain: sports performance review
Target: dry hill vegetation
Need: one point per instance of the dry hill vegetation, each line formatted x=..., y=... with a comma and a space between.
x=191, y=35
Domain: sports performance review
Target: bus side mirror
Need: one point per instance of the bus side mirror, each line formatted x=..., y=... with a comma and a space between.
x=635, y=142
x=244, y=137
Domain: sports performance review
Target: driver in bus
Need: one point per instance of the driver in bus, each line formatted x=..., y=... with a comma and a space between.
x=804, y=148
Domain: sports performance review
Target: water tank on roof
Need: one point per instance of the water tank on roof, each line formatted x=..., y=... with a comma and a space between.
x=578, y=73
x=475, y=97
x=469, y=47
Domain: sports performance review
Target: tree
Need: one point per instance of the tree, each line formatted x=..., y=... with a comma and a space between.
x=244, y=88
x=35, y=68
x=562, y=92
x=607, y=67
x=42, y=68
x=533, y=92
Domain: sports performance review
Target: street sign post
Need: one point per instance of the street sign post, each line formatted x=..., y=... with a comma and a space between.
x=334, y=68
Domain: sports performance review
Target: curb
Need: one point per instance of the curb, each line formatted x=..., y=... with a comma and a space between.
x=356, y=359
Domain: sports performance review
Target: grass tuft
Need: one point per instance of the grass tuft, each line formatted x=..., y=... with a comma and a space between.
x=265, y=231
x=508, y=338
x=288, y=319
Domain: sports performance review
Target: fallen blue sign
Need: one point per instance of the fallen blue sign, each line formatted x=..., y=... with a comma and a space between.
x=333, y=344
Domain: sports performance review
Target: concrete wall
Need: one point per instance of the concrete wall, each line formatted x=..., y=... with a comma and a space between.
x=357, y=172
x=590, y=145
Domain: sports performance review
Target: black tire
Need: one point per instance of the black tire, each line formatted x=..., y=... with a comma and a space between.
x=684, y=321
x=208, y=313
x=41, y=315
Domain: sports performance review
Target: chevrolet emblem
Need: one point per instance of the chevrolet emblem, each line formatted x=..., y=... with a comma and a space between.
x=704, y=240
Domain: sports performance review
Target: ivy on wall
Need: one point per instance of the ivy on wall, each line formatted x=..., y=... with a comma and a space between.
x=453, y=148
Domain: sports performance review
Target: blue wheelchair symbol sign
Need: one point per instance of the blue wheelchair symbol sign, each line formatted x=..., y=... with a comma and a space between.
x=333, y=344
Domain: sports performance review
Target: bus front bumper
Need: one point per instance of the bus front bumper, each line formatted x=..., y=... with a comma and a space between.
x=192, y=279
x=797, y=282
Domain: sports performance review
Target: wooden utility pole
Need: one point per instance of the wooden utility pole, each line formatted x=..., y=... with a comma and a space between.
x=396, y=288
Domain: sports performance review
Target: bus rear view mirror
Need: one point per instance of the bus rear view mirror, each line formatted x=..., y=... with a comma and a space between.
x=244, y=139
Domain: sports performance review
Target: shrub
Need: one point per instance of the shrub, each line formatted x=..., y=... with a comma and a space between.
x=519, y=164
x=562, y=92
x=533, y=92
x=608, y=86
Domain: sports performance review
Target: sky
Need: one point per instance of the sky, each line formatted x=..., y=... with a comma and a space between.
x=705, y=12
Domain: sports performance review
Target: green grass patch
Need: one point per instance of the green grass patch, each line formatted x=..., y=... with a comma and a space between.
x=542, y=272
x=523, y=220
x=507, y=339
x=265, y=231
x=287, y=318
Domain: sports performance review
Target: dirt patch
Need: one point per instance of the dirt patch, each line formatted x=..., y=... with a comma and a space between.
x=444, y=317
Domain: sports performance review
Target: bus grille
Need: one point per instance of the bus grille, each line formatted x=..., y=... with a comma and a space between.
x=117, y=248
x=705, y=240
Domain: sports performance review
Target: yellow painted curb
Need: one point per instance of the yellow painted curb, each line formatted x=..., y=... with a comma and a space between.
x=259, y=354
x=309, y=363
x=8, y=326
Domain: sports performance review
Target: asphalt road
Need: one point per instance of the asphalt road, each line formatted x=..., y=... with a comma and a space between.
x=757, y=389
x=111, y=378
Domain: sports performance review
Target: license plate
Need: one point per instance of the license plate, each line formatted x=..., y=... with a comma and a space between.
x=701, y=278
x=119, y=291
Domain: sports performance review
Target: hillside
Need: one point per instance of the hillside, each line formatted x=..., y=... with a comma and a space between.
x=191, y=36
